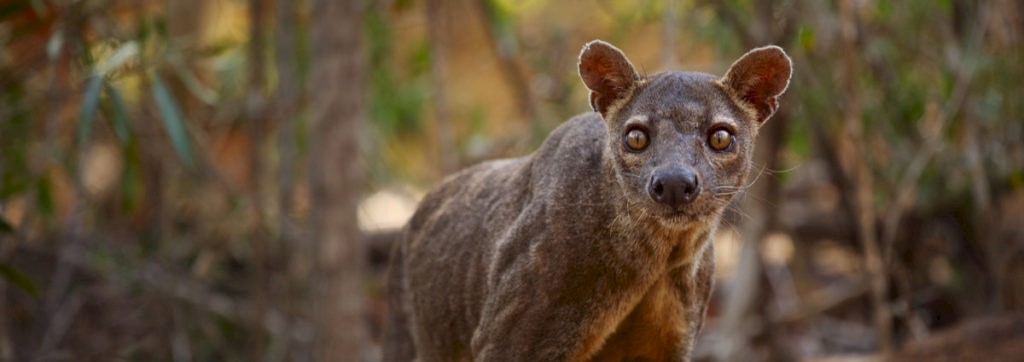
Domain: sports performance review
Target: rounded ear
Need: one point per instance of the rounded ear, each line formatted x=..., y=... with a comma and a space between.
x=759, y=77
x=607, y=73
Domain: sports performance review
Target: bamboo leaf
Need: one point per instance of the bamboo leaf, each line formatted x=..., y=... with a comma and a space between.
x=119, y=119
x=87, y=112
x=54, y=44
x=196, y=87
x=170, y=112
x=18, y=279
x=125, y=52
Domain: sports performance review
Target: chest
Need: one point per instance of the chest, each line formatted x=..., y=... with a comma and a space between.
x=657, y=329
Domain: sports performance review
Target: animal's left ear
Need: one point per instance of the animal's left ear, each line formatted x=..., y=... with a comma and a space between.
x=759, y=77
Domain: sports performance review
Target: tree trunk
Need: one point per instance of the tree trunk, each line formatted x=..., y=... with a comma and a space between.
x=336, y=177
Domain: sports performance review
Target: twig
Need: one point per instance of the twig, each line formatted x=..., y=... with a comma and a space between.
x=822, y=300
x=58, y=326
x=286, y=100
x=964, y=72
x=905, y=190
x=193, y=292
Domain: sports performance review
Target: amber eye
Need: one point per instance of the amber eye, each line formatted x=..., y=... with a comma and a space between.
x=636, y=140
x=720, y=140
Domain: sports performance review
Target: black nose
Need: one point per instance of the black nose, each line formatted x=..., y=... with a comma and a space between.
x=674, y=186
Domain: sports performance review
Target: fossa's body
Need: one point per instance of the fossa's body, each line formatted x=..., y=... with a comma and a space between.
x=597, y=247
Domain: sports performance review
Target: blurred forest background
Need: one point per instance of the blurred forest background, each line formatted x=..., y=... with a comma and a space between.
x=220, y=179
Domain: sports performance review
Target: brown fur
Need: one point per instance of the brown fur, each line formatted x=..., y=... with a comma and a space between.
x=562, y=255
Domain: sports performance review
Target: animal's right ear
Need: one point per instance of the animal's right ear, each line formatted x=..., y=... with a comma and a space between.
x=607, y=73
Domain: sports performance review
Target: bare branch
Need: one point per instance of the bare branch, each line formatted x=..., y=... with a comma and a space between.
x=509, y=65
x=729, y=15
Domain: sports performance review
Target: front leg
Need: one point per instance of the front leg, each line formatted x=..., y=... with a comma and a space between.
x=547, y=308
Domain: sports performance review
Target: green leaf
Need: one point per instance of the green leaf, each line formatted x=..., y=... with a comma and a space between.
x=10, y=9
x=119, y=119
x=18, y=279
x=143, y=30
x=131, y=178
x=87, y=112
x=40, y=8
x=1016, y=179
x=806, y=36
x=5, y=227
x=171, y=114
x=44, y=196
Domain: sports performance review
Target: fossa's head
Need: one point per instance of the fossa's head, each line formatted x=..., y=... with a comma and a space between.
x=681, y=142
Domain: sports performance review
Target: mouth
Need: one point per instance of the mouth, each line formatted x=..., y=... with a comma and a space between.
x=679, y=217
x=695, y=212
x=672, y=214
x=677, y=221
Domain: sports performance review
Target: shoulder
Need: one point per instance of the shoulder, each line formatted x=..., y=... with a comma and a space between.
x=576, y=145
x=572, y=153
x=580, y=131
x=480, y=183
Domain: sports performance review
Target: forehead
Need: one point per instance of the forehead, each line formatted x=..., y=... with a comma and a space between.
x=681, y=94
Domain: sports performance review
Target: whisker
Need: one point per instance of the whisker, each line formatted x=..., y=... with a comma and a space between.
x=773, y=171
